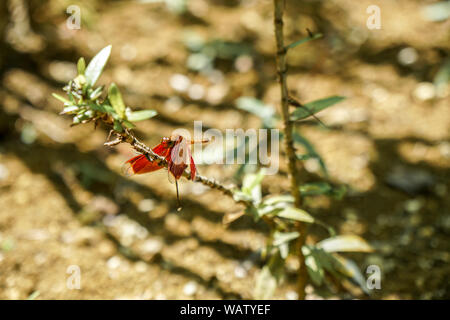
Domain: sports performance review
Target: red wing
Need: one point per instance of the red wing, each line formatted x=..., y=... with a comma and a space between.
x=139, y=165
x=161, y=149
x=193, y=169
x=179, y=156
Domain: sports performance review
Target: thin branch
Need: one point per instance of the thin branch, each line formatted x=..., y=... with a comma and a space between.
x=127, y=137
x=289, y=145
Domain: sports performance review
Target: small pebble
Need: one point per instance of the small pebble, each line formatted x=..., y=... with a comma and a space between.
x=243, y=63
x=180, y=82
x=128, y=52
x=190, y=288
x=291, y=295
x=240, y=272
x=173, y=104
x=407, y=56
x=113, y=262
x=424, y=91
x=196, y=92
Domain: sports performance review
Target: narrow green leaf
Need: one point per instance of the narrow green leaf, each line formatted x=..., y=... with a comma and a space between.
x=141, y=115
x=251, y=185
x=269, y=277
x=283, y=237
x=279, y=198
x=315, y=188
x=266, y=284
x=96, y=93
x=81, y=66
x=345, y=243
x=296, y=214
x=351, y=270
x=34, y=295
x=62, y=99
x=327, y=261
x=311, y=150
x=95, y=67
x=271, y=209
x=128, y=124
x=314, y=107
x=115, y=97
x=69, y=109
x=239, y=195
x=304, y=157
x=117, y=126
x=315, y=270
x=301, y=41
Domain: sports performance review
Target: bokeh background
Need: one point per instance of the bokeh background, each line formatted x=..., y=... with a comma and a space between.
x=63, y=200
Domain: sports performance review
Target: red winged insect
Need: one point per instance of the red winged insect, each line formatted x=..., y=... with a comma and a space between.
x=177, y=152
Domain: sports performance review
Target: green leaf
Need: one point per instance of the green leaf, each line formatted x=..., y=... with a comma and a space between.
x=69, y=109
x=251, y=185
x=239, y=195
x=311, y=150
x=81, y=66
x=304, y=157
x=299, y=42
x=315, y=188
x=345, y=243
x=141, y=115
x=115, y=97
x=269, y=277
x=62, y=99
x=34, y=295
x=327, y=261
x=271, y=209
x=296, y=214
x=287, y=198
x=283, y=237
x=266, y=284
x=117, y=126
x=315, y=270
x=314, y=107
x=351, y=270
x=95, y=67
x=96, y=93
x=128, y=124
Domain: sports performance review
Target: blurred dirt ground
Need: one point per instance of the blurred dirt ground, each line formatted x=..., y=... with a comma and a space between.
x=64, y=201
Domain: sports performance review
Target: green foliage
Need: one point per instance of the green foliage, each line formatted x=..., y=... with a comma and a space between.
x=95, y=67
x=322, y=188
x=345, y=243
x=295, y=214
x=270, y=275
x=141, y=115
x=81, y=66
x=304, y=40
x=299, y=139
x=85, y=103
x=115, y=98
x=313, y=107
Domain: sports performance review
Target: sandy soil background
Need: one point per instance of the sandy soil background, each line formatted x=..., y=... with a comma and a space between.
x=63, y=200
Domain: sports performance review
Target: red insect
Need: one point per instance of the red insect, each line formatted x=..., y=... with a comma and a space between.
x=175, y=150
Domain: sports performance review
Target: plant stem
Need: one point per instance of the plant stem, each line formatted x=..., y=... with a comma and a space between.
x=127, y=137
x=289, y=146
